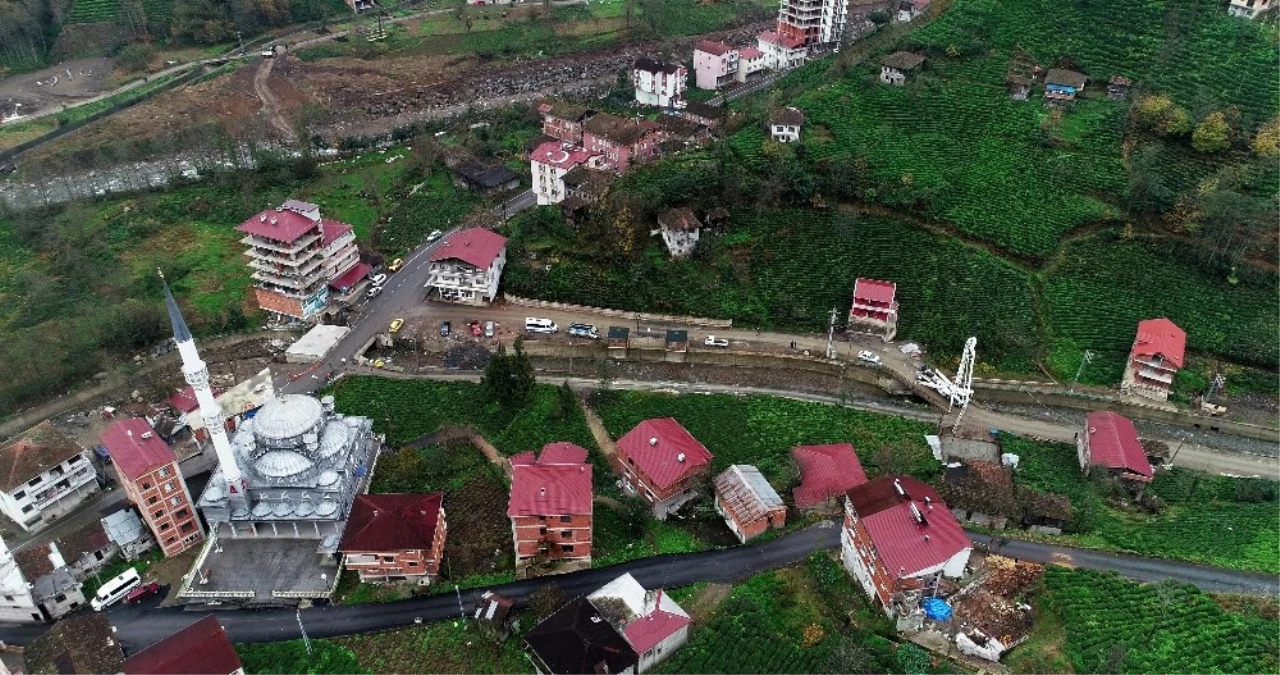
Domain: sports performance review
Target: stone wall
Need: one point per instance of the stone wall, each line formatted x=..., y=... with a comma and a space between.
x=620, y=314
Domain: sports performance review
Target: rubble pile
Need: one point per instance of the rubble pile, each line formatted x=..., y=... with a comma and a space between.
x=466, y=357
x=991, y=605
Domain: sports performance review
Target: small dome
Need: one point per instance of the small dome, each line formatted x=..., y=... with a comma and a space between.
x=326, y=509
x=335, y=439
x=328, y=478
x=282, y=509
x=282, y=463
x=286, y=418
x=261, y=509
x=240, y=512
x=304, y=509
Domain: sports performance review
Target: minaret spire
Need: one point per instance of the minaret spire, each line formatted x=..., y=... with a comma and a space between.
x=196, y=374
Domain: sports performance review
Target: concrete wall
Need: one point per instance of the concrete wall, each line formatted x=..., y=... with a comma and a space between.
x=620, y=314
x=964, y=448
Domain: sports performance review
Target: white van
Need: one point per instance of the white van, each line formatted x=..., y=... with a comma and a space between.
x=532, y=325
x=114, y=591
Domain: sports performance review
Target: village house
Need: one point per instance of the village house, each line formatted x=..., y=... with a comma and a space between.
x=125, y=529
x=1062, y=85
x=899, y=539
x=658, y=83
x=1043, y=512
x=548, y=164
x=79, y=645
x=981, y=492
x=781, y=52
x=715, y=64
x=585, y=183
x=358, y=6
x=616, y=341
x=56, y=591
x=466, y=269
x=785, y=123
x=577, y=639
x=662, y=462
x=681, y=132
x=496, y=616
x=17, y=601
x=1118, y=87
x=201, y=648
x=43, y=475
x=650, y=621
x=1157, y=354
x=874, y=309
x=750, y=62
x=621, y=141
x=341, y=257
x=563, y=120
x=706, y=115
x=1109, y=442
x=1019, y=87
x=812, y=22
x=827, y=472
x=395, y=537
x=1248, y=9
x=295, y=254
x=908, y=10
x=550, y=509
x=680, y=230
x=895, y=67
x=747, y=502
x=486, y=179
x=148, y=471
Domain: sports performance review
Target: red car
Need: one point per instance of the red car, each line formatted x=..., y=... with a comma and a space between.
x=476, y=330
x=142, y=593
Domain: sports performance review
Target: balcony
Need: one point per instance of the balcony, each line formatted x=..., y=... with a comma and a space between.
x=300, y=244
x=266, y=255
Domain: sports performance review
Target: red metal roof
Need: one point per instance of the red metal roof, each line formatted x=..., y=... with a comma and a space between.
x=350, y=277
x=394, y=522
x=656, y=445
x=898, y=536
x=185, y=400
x=202, y=648
x=647, y=631
x=1161, y=337
x=1113, y=443
x=133, y=454
x=713, y=47
x=330, y=230
x=477, y=247
x=278, y=224
x=553, y=485
x=781, y=40
x=826, y=471
x=560, y=155
x=873, y=290
x=750, y=53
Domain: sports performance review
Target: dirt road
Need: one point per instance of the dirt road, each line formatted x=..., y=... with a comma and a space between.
x=270, y=104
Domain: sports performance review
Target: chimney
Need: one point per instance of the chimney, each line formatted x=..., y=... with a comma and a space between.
x=897, y=484
x=542, y=491
x=926, y=538
x=680, y=457
x=262, y=218
x=653, y=441
x=129, y=432
x=147, y=434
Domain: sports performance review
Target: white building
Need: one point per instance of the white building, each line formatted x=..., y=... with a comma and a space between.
x=1249, y=9
x=680, y=230
x=908, y=10
x=55, y=588
x=467, y=267
x=43, y=474
x=715, y=64
x=750, y=62
x=895, y=67
x=659, y=83
x=548, y=164
x=785, y=124
x=650, y=621
x=17, y=604
x=781, y=52
x=813, y=22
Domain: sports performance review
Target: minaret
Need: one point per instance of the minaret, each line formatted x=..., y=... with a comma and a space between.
x=197, y=375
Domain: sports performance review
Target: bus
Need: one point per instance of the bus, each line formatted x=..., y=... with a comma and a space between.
x=114, y=590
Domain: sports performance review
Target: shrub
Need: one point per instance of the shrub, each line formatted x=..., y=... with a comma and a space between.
x=1161, y=115
x=135, y=57
x=1212, y=135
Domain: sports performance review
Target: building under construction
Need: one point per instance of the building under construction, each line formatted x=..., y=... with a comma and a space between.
x=814, y=22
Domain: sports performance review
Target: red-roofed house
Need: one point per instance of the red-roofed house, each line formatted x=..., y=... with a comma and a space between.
x=395, y=537
x=549, y=163
x=1157, y=354
x=899, y=537
x=750, y=62
x=621, y=141
x=467, y=267
x=550, y=509
x=202, y=648
x=747, y=502
x=781, y=52
x=294, y=254
x=43, y=474
x=148, y=470
x=715, y=64
x=1110, y=441
x=650, y=621
x=564, y=120
x=827, y=472
x=662, y=462
x=875, y=308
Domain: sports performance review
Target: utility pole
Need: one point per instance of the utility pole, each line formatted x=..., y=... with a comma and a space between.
x=305, y=640
x=1218, y=382
x=1087, y=358
x=241, y=39
x=831, y=333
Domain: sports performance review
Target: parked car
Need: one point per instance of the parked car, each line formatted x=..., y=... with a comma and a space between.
x=476, y=330
x=869, y=357
x=378, y=279
x=396, y=324
x=488, y=329
x=583, y=330
x=373, y=292
x=141, y=593
x=435, y=234
x=444, y=329
x=713, y=341
x=536, y=325
x=395, y=265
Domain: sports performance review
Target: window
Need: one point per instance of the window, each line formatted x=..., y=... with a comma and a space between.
x=146, y=485
x=97, y=555
x=187, y=527
x=182, y=513
x=152, y=499
x=413, y=564
x=567, y=548
x=27, y=508
x=8, y=598
x=542, y=530
x=388, y=558
x=20, y=494
x=170, y=540
x=34, y=481
x=175, y=501
x=61, y=597
x=158, y=514
x=566, y=519
x=165, y=526
x=164, y=472
x=168, y=487
x=566, y=534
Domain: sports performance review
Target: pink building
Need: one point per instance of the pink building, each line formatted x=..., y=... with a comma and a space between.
x=564, y=120
x=875, y=308
x=715, y=64
x=1157, y=355
x=659, y=83
x=548, y=164
x=621, y=141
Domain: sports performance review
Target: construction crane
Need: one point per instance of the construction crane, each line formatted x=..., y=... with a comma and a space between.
x=959, y=390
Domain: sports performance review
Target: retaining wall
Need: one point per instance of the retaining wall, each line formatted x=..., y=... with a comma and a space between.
x=620, y=314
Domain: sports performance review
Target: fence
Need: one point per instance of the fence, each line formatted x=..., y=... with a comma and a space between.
x=620, y=314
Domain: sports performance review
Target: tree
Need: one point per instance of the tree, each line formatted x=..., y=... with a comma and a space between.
x=566, y=402
x=547, y=600
x=1147, y=191
x=1267, y=141
x=879, y=17
x=1159, y=114
x=508, y=378
x=1213, y=134
x=850, y=655
x=522, y=378
x=496, y=381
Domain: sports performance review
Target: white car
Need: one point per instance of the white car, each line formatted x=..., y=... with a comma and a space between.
x=869, y=357
x=379, y=279
x=435, y=234
x=373, y=292
x=713, y=341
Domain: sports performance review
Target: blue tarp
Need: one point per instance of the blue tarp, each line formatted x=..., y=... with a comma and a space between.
x=936, y=609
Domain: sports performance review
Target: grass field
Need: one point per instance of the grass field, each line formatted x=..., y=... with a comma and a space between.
x=444, y=647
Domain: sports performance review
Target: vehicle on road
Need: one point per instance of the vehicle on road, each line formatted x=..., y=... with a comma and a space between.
x=114, y=590
x=396, y=324
x=713, y=341
x=476, y=330
x=488, y=329
x=584, y=330
x=444, y=329
x=373, y=292
x=435, y=234
x=869, y=357
x=141, y=593
x=536, y=325
x=378, y=279
x=395, y=265
x=379, y=363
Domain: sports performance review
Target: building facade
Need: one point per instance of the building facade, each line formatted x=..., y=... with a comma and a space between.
x=396, y=537
x=781, y=52
x=467, y=267
x=896, y=67
x=812, y=22
x=750, y=61
x=1249, y=9
x=1061, y=85
x=17, y=602
x=874, y=309
x=1154, y=360
x=43, y=475
x=550, y=509
x=148, y=471
x=563, y=121
x=649, y=620
x=659, y=83
x=294, y=254
x=746, y=501
x=785, y=124
x=1109, y=442
x=548, y=164
x=680, y=230
x=662, y=463
x=620, y=141
x=715, y=64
